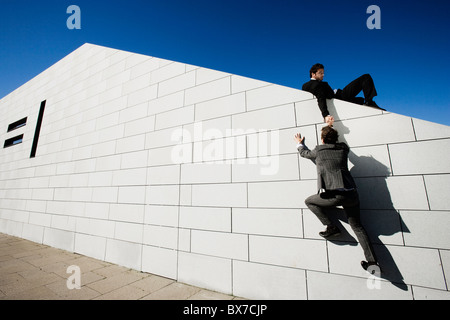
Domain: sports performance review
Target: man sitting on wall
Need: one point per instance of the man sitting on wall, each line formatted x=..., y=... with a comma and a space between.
x=322, y=91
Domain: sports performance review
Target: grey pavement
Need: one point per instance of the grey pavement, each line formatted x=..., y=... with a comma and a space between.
x=31, y=271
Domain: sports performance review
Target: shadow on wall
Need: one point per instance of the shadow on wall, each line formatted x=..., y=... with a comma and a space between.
x=378, y=214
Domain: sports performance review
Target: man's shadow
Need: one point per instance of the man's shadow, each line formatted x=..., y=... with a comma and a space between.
x=378, y=214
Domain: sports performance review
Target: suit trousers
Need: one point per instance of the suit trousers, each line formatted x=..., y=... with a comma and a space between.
x=349, y=200
x=365, y=84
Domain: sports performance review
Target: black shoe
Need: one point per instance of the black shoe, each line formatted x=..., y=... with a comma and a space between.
x=330, y=231
x=371, y=267
x=372, y=103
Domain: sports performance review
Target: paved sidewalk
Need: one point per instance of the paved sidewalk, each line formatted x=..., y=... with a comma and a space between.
x=31, y=271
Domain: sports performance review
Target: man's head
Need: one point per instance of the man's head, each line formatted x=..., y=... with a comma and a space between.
x=317, y=71
x=329, y=135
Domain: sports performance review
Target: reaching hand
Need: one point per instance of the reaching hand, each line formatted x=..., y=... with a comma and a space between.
x=329, y=120
x=298, y=137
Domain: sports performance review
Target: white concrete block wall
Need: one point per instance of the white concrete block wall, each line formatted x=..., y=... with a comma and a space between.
x=192, y=174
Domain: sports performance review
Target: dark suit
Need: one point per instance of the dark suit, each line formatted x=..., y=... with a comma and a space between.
x=335, y=179
x=322, y=91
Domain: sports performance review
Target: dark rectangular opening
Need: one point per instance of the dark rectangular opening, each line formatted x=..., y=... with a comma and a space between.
x=13, y=141
x=17, y=124
x=38, y=130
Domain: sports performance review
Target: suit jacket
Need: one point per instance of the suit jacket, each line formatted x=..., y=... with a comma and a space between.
x=322, y=91
x=332, y=165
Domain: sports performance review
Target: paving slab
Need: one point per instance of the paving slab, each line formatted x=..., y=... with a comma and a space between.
x=31, y=271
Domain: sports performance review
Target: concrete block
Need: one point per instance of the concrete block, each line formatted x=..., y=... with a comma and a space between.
x=108, y=163
x=426, y=157
x=220, y=195
x=136, y=83
x=427, y=228
x=211, y=273
x=208, y=91
x=220, y=107
x=33, y=232
x=130, y=144
x=287, y=144
x=129, y=177
x=96, y=227
x=240, y=84
x=163, y=195
x=342, y=110
x=325, y=285
x=285, y=194
x=135, y=112
x=307, y=112
x=140, y=65
x=207, y=75
x=167, y=71
x=279, y=117
x=220, y=149
x=289, y=252
x=166, y=103
x=207, y=129
x=96, y=210
x=207, y=172
x=426, y=130
x=272, y=168
x=139, y=126
x=265, y=282
x=274, y=95
x=445, y=257
x=131, y=195
x=63, y=223
x=214, y=219
x=60, y=239
x=100, y=179
x=184, y=240
x=415, y=266
x=430, y=294
x=170, y=155
x=174, y=118
x=370, y=161
x=132, y=160
x=385, y=128
x=131, y=232
x=160, y=236
x=438, y=189
x=160, y=261
x=141, y=96
x=163, y=138
x=163, y=175
x=126, y=212
x=161, y=215
x=403, y=192
x=186, y=195
x=220, y=244
x=124, y=253
x=275, y=222
x=176, y=84
x=90, y=246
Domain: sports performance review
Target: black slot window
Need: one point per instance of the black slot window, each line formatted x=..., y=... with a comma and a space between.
x=13, y=141
x=18, y=124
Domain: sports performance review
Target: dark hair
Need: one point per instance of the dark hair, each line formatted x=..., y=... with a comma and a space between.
x=315, y=68
x=329, y=135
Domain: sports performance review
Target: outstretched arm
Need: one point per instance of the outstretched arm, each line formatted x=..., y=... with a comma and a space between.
x=304, y=151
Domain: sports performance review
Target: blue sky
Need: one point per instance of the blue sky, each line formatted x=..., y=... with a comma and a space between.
x=271, y=40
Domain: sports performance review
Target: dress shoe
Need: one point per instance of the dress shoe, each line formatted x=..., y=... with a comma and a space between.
x=371, y=267
x=372, y=103
x=330, y=231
